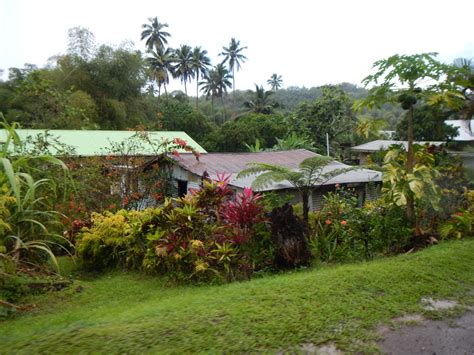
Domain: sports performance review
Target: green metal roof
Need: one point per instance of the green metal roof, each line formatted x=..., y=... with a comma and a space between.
x=98, y=143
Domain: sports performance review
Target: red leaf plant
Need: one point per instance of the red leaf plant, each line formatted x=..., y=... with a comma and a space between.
x=244, y=210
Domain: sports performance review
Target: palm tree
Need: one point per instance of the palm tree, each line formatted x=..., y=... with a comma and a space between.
x=310, y=175
x=275, y=82
x=161, y=63
x=200, y=63
x=261, y=103
x=216, y=82
x=464, y=79
x=233, y=55
x=184, y=66
x=154, y=34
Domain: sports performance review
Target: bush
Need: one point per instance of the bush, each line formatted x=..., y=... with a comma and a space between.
x=207, y=235
x=344, y=232
x=114, y=240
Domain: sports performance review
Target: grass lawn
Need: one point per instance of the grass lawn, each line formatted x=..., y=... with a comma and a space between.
x=123, y=312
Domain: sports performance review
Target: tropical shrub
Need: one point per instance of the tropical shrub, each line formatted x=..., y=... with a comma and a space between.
x=29, y=226
x=113, y=240
x=342, y=231
x=458, y=226
x=206, y=235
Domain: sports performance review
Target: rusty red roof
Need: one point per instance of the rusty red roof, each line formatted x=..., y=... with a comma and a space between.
x=215, y=163
x=234, y=163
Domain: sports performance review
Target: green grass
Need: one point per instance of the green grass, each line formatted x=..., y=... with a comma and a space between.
x=132, y=313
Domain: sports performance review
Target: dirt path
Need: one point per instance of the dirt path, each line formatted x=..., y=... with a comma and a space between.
x=448, y=336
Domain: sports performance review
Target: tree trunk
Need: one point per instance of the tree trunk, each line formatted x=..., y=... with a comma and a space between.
x=305, y=197
x=185, y=88
x=409, y=166
x=223, y=106
x=289, y=237
x=233, y=90
x=197, y=90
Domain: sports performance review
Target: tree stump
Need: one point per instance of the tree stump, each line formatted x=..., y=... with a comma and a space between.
x=289, y=238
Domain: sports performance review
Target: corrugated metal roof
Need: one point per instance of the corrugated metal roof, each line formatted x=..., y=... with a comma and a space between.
x=377, y=145
x=96, y=142
x=233, y=163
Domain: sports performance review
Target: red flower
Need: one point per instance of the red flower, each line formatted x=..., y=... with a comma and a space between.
x=125, y=201
x=328, y=222
x=175, y=153
x=180, y=142
x=343, y=223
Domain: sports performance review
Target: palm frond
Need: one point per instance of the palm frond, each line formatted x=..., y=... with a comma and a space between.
x=255, y=168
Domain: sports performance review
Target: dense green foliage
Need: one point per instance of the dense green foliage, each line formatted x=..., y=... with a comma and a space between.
x=233, y=135
x=343, y=231
x=204, y=236
x=102, y=87
x=29, y=223
x=428, y=125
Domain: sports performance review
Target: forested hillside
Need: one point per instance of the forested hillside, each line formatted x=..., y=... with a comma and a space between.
x=104, y=87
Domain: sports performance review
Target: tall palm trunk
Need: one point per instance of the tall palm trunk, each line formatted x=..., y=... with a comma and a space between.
x=185, y=89
x=197, y=90
x=233, y=89
x=223, y=107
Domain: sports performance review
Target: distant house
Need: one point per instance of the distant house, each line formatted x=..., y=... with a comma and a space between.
x=465, y=130
x=363, y=151
x=189, y=173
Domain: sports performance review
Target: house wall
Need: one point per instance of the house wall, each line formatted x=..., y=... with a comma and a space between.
x=193, y=180
x=364, y=191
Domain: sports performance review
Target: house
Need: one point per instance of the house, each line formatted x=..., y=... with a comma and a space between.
x=363, y=151
x=466, y=156
x=122, y=158
x=465, y=130
x=88, y=143
x=189, y=173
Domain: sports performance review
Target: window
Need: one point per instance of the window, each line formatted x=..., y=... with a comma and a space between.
x=182, y=188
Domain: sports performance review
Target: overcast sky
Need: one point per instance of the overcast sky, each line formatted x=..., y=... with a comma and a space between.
x=307, y=42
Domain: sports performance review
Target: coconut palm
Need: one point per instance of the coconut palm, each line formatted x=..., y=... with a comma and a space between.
x=216, y=82
x=233, y=55
x=183, y=68
x=310, y=175
x=261, y=102
x=154, y=34
x=200, y=63
x=161, y=63
x=275, y=82
x=464, y=79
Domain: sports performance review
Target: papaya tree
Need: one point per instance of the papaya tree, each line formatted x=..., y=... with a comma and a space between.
x=409, y=80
